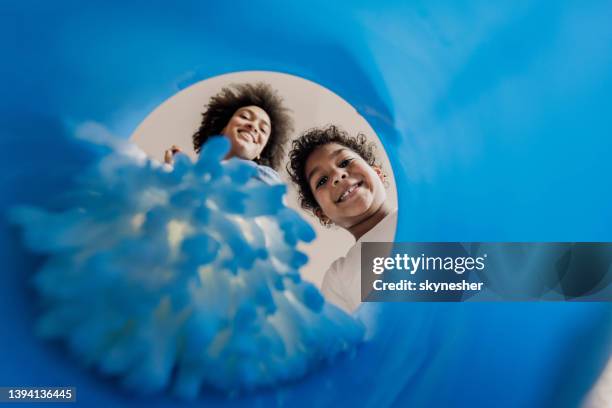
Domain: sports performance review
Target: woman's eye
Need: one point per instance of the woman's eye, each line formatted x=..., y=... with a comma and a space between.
x=322, y=181
x=344, y=163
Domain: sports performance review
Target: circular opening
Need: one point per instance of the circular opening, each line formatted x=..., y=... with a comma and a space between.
x=176, y=119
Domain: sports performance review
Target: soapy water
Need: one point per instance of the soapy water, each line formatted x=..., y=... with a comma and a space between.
x=494, y=117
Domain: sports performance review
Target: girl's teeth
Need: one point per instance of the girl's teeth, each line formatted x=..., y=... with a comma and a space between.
x=347, y=192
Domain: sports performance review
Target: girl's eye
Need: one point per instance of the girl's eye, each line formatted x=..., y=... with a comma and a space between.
x=345, y=163
x=322, y=181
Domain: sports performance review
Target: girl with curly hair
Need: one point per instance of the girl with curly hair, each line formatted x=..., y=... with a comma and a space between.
x=340, y=181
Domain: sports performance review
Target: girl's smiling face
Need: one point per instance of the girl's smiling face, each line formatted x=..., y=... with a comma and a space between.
x=248, y=131
x=347, y=189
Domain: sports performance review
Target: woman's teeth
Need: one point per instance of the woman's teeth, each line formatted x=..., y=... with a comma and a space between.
x=247, y=133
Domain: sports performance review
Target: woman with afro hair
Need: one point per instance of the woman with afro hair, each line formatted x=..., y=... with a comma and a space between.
x=254, y=119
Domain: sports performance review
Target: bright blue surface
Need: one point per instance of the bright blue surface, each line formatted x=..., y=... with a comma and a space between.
x=495, y=117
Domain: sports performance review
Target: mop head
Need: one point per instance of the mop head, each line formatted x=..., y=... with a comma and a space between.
x=181, y=280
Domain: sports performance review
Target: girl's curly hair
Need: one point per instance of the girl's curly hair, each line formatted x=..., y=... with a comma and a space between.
x=308, y=142
x=223, y=105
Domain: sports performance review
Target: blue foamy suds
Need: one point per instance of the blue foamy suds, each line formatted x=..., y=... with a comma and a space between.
x=181, y=279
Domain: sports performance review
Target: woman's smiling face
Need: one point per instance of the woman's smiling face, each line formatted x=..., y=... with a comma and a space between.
x=347, y=189
x=248, y=131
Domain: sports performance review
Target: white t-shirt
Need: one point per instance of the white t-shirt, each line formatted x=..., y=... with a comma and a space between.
x=342, y=281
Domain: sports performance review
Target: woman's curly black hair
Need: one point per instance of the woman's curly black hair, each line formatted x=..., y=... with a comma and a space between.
x=223, y=105
x=308, y=142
